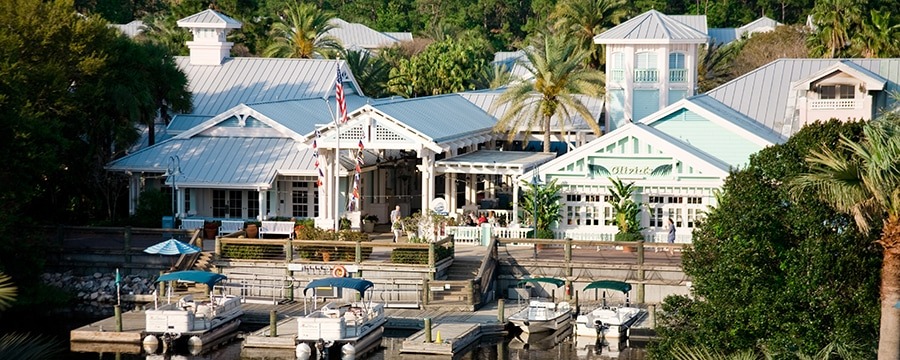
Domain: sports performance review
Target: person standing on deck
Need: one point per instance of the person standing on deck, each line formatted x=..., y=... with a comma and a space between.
x=396, y=226
x=671, y=239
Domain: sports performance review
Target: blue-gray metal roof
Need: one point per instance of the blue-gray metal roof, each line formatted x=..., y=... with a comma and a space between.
x=354, y=35
x=302, y=116
x=218, y=88
x=765, y=94
x=222, y=162
x=209, y=19
x=651, y=27
x=182, y=122
x=441, y=118
x=696, y=22
x=723, y=35
x=400, y=36
x=486, y=99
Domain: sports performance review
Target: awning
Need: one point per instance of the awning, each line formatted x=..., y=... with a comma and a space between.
x=548, y=280
x=609, y=284
x=195, y=276
x=347, y=283
x=493, y=162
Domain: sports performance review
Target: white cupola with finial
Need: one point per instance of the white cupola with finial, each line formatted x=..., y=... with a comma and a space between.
x=651, y=62
x=209, y=28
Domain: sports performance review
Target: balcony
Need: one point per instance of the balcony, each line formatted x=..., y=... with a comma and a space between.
x=677, y=75
x=834, y=104
x=617, y=75
x=646, y=75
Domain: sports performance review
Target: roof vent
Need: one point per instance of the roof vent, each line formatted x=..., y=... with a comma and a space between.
x=209, y=28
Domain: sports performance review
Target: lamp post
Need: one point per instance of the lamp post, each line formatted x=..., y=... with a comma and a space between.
x=173, y=169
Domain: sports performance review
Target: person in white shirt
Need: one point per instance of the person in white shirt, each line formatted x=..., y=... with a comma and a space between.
x=396, y=226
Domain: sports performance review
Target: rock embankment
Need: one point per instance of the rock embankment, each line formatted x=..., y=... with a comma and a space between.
x=96, y=293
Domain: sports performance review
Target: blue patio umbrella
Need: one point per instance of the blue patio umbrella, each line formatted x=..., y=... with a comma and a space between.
x=172, y=247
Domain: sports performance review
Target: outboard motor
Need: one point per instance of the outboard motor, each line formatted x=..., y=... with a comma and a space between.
x=600, y=326
x=322, y=349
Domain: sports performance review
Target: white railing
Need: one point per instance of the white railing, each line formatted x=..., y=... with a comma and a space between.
x=677, y=75
x=646, y=75
x=832, y=104
x=471, y=235
x=465, y=235
x=503, y=216
x=617, y=75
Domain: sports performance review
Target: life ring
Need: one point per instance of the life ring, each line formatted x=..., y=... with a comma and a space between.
x=339, y=271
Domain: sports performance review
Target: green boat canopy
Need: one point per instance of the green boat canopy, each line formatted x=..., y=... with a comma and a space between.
x=609, y=284
x=194, y=276
x=548, y=280
x=360, y=285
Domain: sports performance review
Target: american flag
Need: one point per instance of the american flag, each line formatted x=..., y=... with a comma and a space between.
x=339, y=95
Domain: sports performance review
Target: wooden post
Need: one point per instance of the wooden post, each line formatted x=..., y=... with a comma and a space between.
x=428, y=330
x=118, y=313
x=273, y=323
x=501, y=309
x=568, y=253
x=471, y=292
x=431, y=260
x=640, y=285
x=358, y=251
x=577, y=312
x=218, y=246
x=288, y=250
x=425, y=291
x=127, y=241
x=651, y=315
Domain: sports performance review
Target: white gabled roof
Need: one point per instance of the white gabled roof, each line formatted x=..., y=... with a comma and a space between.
x=651, y=27
x=218, y=88
x=707, y=164
x=873, y=81
x=493, y=162
x=209, y=19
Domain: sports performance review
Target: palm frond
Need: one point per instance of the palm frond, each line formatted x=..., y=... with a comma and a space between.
x=28, y=347
x=8, y=291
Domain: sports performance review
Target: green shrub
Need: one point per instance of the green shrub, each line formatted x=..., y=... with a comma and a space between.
x=629, y=237
x=419, y=256
x=252, y=252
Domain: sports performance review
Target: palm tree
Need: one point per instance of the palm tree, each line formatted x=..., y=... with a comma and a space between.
x=557, y=64
x=371, y=71
x=714, y=65
x=22, y=346
x=588, y=18
x=165, y=32
x=168, y=88
x=837, y=21
x=862, y=178
x=878, y=38
x=301, y=33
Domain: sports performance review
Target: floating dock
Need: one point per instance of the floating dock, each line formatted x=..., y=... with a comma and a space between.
x=449, y=338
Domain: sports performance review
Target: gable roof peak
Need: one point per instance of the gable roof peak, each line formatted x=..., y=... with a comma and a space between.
x=651, y=27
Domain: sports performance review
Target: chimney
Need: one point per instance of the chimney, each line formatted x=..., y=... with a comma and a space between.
x=209, y=28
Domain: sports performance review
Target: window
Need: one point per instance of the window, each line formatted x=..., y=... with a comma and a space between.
x=676, y=61
x=831, y=92
x=252, y=203
x=220, y=204
x=235, y=204
x=618, y=61
x=645, y=60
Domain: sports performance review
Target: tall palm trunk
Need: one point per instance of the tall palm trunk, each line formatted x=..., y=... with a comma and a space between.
x=546, y=133
x=889, y=337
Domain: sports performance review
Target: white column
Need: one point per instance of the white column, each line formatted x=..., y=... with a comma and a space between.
x=427, y=170
x=179, y=196
x=515, y=204
x=451, y=194
x=261, y=195
x=134, y=192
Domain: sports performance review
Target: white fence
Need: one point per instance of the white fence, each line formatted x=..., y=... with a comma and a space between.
x=471, y=235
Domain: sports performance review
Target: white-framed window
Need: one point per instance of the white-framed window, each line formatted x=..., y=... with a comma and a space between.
x=617, y=61
x=645, y=60
x=683, y=210
x=304, y=199
x=676, y=61
x=587, y=209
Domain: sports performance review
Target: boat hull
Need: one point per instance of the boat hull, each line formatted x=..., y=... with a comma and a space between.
x=541, y=316
x=605, y=321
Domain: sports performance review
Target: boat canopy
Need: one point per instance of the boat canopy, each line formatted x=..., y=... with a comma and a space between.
x=609, y=284
x=195, y=276
x=360, y=285
x=548, y=280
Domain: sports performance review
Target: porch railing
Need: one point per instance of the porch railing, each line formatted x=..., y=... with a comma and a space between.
x=646, y=75
x=471, y=235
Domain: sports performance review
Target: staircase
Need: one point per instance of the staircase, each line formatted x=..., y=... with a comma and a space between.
x=204, y=262
x=463, y=269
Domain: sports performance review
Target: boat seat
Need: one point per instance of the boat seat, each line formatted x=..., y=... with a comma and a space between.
x=186, y=302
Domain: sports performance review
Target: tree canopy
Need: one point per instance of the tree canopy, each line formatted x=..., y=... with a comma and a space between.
x=774, y=271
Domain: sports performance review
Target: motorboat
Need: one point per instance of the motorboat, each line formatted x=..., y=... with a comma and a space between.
x=190, y=321
x=353, y=327
x=593, y=347
x=608, y=320
x=542, y=314
x=544, y=340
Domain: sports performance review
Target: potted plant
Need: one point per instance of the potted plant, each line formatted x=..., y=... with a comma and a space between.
x=369, y=222
x=211, y=228
x=411, y=224
x=627, y=213
x=542, y=201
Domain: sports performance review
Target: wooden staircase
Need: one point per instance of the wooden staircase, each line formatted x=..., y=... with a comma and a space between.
x=463, y=269
x=204, y=262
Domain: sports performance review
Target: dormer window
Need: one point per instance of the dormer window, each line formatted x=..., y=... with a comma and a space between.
x=617, y=67
x=833, y=92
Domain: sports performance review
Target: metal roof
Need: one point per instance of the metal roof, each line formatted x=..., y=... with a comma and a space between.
x=209, y=19
x=765, y=94
x=353, y=35
x=222, y=162
x=486, y=99
x=516, y=63
x=696, y=22
x=182, y=122
x=722, y=35
x=494, y=162
x=651, y=27
x=302, y=116
x=400, y=36
x=132, y=29
x=761, y=23
x=442, y=118
x=217, y=88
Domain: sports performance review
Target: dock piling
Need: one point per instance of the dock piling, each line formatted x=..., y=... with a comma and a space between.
x=501, y=317
x=273, y=323
x=118, y=313
x=427, y=330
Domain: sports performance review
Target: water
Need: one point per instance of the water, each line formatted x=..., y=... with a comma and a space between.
x=556, y=346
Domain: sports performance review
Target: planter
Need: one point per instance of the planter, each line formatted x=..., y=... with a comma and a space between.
x=210, y=231
x=368, y=226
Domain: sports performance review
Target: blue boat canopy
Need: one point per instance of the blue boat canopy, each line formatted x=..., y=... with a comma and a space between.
x=549, y=280
x=609, y=284
x=360, y=285
x=195, y=276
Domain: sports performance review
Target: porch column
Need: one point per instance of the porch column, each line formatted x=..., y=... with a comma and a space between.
x=468, y=193
x=261, y=196
x=427, y=170
x=451, y=194
x=515, y=203
x=134, y=192
x=179, y=198
x=326, y=191
x=447, y=191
